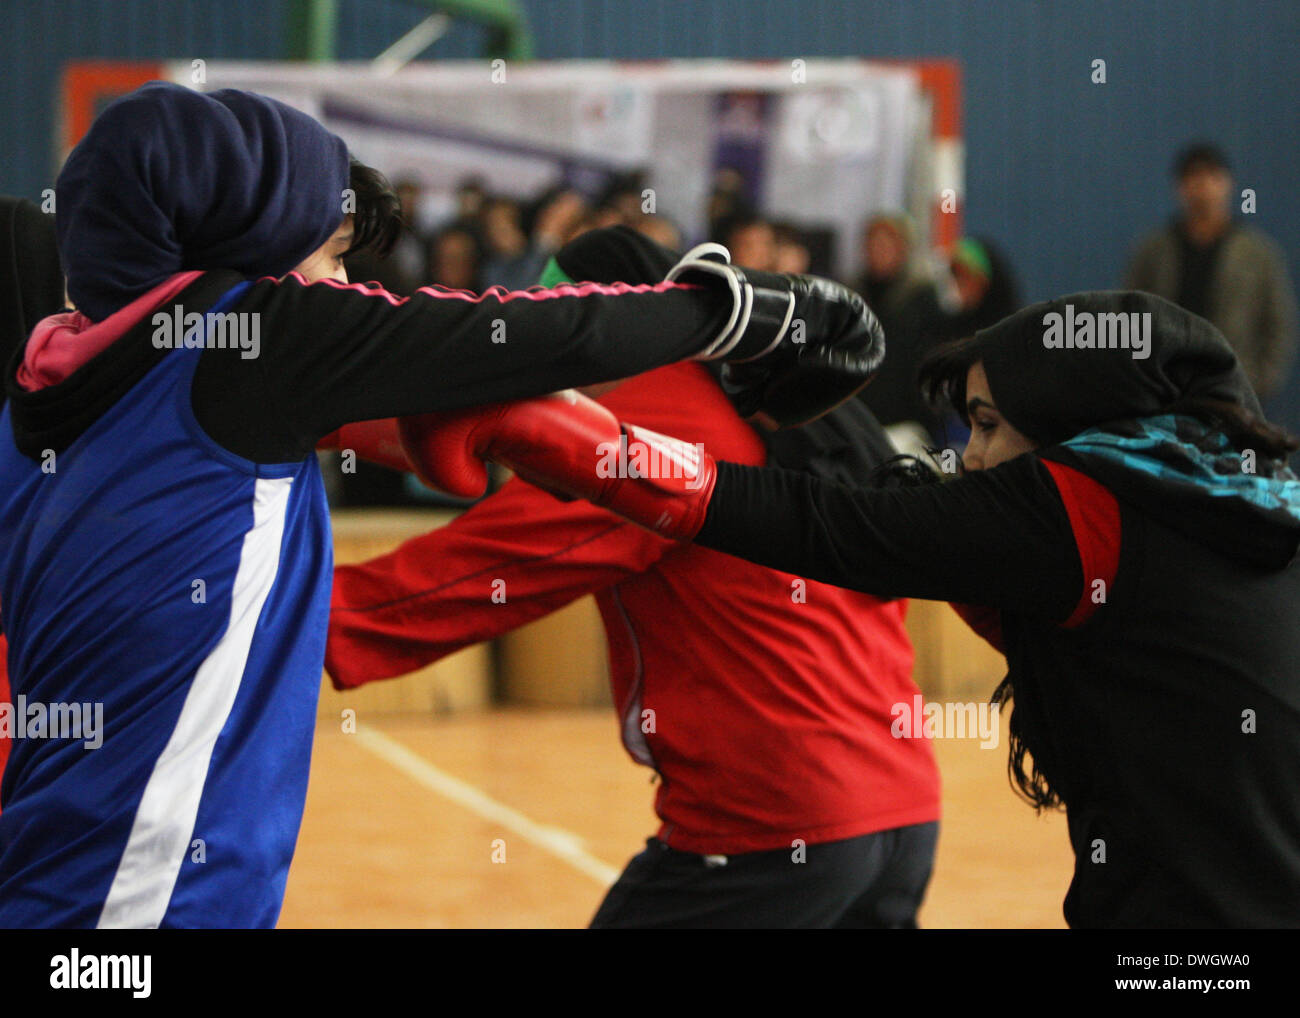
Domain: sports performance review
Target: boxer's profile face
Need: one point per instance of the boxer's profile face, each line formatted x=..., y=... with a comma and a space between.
x=326, y=262
x=992, y=438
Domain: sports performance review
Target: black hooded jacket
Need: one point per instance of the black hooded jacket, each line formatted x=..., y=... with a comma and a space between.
x=1168, y=722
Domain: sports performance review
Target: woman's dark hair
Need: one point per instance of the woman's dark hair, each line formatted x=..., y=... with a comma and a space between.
x=904, y=471
x=1244, y=429
x=942, y=378
x=942, y=375
x=1032, y=786
x=377, y=216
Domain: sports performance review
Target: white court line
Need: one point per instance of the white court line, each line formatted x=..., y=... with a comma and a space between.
x=562, y=844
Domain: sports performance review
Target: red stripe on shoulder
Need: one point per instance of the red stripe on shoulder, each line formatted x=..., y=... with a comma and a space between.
x=1094, y=518
x=498, y=293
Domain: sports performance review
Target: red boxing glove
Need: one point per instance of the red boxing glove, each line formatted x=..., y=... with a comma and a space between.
x=440, y=448
x=571, y=446
x=373, y=441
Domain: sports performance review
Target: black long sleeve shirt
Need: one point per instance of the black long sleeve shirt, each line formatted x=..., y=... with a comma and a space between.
x=1168, y=722
x=997, y=537
x=329, y=354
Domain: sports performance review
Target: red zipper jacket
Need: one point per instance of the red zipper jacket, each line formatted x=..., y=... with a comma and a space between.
x=762, y=700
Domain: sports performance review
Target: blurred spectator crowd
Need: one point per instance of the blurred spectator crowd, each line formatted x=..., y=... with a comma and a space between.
x=496, y=240
x=1205, y=257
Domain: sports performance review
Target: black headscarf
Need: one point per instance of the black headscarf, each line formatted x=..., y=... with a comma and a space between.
x=1151, y=420
x=1052, y=394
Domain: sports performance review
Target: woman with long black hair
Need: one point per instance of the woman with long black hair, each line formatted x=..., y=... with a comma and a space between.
x=1124, y=531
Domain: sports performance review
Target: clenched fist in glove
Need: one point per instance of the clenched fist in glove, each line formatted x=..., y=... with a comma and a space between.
x=570, y=446
x=794, y=347
x=829, y=346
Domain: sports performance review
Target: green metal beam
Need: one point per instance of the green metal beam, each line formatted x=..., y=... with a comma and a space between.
x=313, y=26
x=508, y=34
x=313, y=29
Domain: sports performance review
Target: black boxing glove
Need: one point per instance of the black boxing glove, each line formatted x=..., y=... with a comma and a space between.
x=795, y=346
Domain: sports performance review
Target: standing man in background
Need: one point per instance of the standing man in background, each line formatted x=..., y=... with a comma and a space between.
x=1214, y=267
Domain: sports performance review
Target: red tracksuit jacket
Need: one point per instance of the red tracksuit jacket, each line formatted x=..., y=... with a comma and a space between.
x=770, y=695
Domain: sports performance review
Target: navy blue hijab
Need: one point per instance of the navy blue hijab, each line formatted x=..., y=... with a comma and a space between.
x=168, y=179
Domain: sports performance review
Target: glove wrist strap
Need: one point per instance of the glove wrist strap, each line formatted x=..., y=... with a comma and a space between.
x=769, y=318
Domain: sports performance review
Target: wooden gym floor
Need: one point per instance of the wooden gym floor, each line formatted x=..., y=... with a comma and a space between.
x=404, y=817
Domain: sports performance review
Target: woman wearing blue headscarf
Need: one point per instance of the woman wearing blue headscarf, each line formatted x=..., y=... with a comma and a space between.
x=165, y=552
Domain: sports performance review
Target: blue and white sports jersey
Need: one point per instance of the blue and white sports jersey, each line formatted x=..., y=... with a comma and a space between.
x=187, y=591
x=177, y=576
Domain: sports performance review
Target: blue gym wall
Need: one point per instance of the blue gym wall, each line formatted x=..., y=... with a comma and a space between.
x=1064, y=172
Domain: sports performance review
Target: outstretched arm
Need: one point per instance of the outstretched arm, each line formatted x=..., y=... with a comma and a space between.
x=999, y=537
x=434, y=594
x=1022, y=536
x=516, y=556
x=331, y=354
